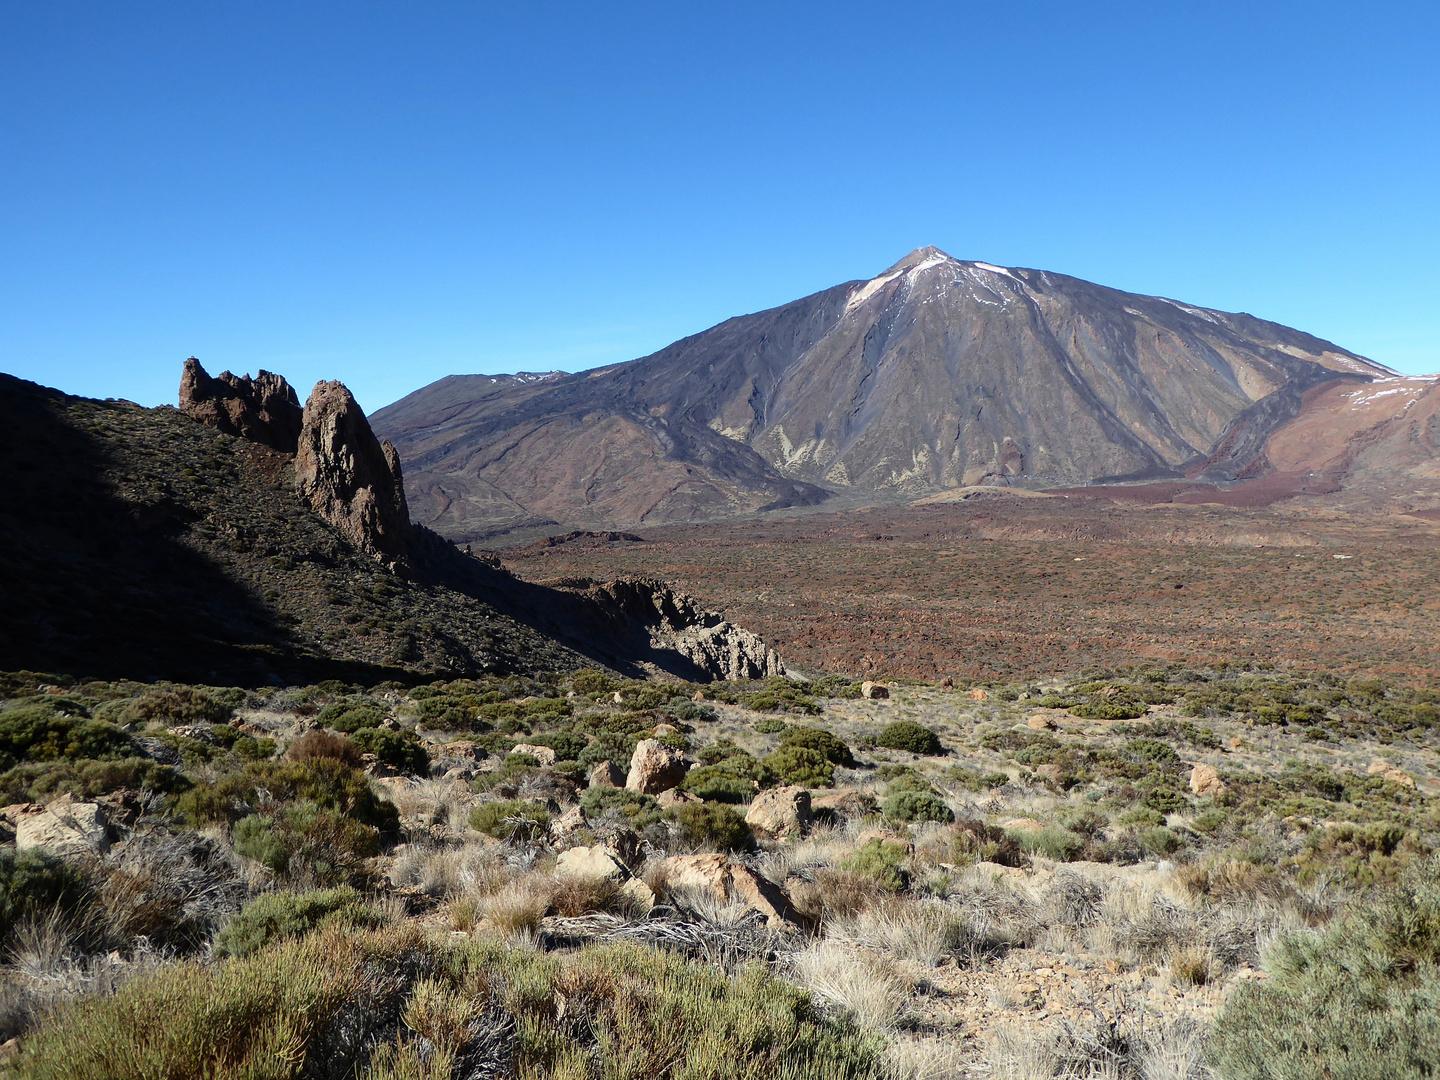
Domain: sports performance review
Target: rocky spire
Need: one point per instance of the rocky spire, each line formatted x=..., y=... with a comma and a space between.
x=263, y=409
x=351, y=478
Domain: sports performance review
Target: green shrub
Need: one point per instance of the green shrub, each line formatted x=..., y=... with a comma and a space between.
x=261, y=786
x=352, y=720
x=41, y=781
x=1160, y=841
x=401, y=750
x=770, y=726
x=974, y=841
x=630, y=807
x=711, y=825
x=907, y=806
x=974, y=780
x=1361, y=999
x=819, y=739
x=305, y=842
x=510, y=819
x=910, y=736
x=37, y=733
x=1052, y=842
x=800, y=765
x=33, y=884
x=882, y=861
x=718, y=783
x=179, y=705
x=592, y=683
x=275, y=916
x=614, y=747
x=567, y=745
x=630, y=1012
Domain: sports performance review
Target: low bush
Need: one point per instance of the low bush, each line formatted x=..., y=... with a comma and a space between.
x=275, y=916
x=34, y=884
x=907, y=806
x=401, y=750
x=711, y=825
x=510, y=819
x=800, y=765
x=1360, y=999
x=824, y=742
x=30, y=733
x=1052, y=842
x=909, y=736
x=41, y=781
x=263, y=785
x=621, y=805
x=882, y=861
x=567, y=745
x=321, y=744
x=770, y=726
x=302, y=1008
x=974, y=841
x=305, y=842
x=179, y=705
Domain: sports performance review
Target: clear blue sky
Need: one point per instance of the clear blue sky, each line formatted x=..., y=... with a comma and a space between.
x=388, y=193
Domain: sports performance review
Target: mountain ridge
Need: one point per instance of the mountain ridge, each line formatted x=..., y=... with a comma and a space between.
x=934, y=374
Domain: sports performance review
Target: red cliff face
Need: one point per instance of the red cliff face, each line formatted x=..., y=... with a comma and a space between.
x=264, y=409
x=350, y=478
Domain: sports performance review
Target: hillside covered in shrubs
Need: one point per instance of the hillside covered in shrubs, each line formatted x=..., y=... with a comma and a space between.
x=1215, y=872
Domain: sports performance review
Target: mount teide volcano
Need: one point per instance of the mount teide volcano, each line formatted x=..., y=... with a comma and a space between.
x=937, y=373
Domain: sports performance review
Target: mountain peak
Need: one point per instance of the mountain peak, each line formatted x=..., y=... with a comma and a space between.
x=921, y=256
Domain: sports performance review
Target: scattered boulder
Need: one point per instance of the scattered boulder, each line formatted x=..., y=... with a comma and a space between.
x=781, y=811
x=65, y=825
x=640, y=894
x=1204, y=780
x=1048, y=772
x=718, y=876
x=591, y=864
x=873, y=691
x=1024, y=824
x=543, y=754
x=350, y=478
x=668, y=800
x=262, y=410
x=979, y=693
x=464, y=750
x=1040, y=722
x=568, y=823
x=655, y=768
x=606, y=774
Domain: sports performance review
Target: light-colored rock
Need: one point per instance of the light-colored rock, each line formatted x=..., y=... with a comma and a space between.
x=873, y=691
x=1040, y=722
x=716, y=875
x=655, y=768
x=572, y=821
x=1023, y=824
x=640, y=894
x=1391, y=773
x=668, y=800
x=781, y=812
x=979, y=693
x=542, y=754
x=1048, y=772
x=1204, y=780
x=664, y=729
x=606, y=774
x=703, y=873
x=885, y=836
x=590, y=864
x=65, y=825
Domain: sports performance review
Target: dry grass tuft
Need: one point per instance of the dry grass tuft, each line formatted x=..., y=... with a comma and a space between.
x=517, y=909
x=865, y=986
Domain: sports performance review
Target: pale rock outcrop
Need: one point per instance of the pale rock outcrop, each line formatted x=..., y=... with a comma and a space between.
x=781, y=812
x=262, y=410
x=873, y=691
x=542, y=754
x=719, y=877
x=655, y=768
x=668, y=800
x=591, y=864
x=728, y=652
x=64, y=826
x=1204, y=780
x=606, y=774
x=350, y=478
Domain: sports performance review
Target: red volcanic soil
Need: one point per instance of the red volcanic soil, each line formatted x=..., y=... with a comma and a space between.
x=1024, y=588
x=1265, y=491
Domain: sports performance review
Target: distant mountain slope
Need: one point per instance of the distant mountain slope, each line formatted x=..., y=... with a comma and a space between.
x=144, y=543
x=935, y=374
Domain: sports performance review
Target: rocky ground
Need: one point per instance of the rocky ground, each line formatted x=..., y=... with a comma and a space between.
x=1060, y=878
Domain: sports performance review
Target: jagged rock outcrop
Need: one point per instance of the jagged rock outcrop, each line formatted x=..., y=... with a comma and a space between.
x=677, y=622
x=654, y=768
x=264, y=409
x=351, y=478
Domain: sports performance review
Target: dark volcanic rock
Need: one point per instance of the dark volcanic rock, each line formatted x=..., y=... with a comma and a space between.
x=264, y=409
x=351, y=478
x=936, y=374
